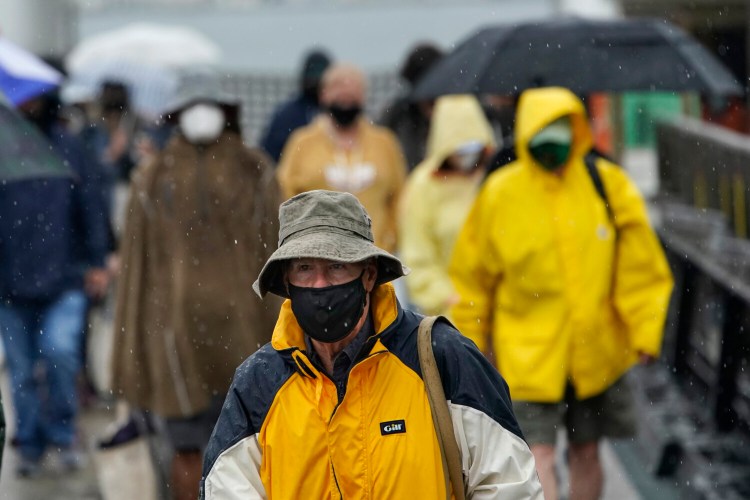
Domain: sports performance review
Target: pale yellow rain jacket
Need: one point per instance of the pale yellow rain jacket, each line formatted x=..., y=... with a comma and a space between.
x=435, y=202
x=534, y=267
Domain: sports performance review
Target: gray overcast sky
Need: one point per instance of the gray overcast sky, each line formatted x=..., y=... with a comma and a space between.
x=275, y=38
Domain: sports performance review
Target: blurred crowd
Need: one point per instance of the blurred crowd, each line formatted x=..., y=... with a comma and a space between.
x=165, y=222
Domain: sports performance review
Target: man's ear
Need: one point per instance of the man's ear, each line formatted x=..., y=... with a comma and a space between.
x=370, y=274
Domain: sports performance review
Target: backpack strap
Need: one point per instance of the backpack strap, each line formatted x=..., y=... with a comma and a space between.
x=596, y=179
x=440, y=413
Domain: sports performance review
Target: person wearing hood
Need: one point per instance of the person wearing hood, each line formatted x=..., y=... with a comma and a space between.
x=565, y=285
x=201, y=223
x=299, y=111
x=336, y=405
x=438, y=196
x=342, y=151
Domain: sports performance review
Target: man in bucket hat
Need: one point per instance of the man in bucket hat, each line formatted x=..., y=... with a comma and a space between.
x=335, y=406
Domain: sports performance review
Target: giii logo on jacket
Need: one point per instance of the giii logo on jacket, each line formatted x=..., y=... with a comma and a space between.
x=392, y=427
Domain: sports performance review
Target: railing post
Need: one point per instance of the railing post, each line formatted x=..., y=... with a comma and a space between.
x=684, y=326
x=729, y=362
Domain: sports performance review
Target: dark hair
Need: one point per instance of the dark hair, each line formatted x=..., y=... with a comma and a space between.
x=420, y=59
x=114, y=96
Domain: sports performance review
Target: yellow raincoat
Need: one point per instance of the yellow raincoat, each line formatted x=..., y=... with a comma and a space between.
x=534, y=267
x=435, y=202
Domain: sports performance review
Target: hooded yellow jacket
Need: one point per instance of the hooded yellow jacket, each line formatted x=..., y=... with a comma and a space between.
x=284, y=433
x=435, y=203
x=545, y=280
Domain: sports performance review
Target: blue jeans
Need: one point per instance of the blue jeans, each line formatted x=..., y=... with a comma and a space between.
x=49, y=335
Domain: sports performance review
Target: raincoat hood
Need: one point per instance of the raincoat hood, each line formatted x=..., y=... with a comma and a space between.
x=537, y=108
x=456, y=120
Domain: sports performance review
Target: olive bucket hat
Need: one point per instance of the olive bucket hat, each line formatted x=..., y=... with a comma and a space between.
x=324, y=225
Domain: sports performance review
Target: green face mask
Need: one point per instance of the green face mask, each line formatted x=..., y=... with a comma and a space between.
x=550, y=155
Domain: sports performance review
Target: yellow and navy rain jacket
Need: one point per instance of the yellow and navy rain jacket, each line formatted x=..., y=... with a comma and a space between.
x=286, y=433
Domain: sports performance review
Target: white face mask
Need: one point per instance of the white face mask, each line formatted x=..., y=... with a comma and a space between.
x=468, y=155
x=202, y=123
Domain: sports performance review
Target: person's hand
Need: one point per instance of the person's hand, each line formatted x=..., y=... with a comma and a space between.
x=452, y=301
x=645, y=359
x=118, y=145
x=114, y=264
x=96, y=282
x=145, y=149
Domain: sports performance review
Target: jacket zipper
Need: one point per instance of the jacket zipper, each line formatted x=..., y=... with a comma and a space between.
x=341, y=399
x=336, y=481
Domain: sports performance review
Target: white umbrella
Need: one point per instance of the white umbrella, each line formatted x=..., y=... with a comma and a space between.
x=145, y=43
x=152, y=88
x=147, y=58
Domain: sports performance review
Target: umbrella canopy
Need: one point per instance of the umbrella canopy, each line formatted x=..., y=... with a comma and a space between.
x=24, y=152
x=583, y=55
x=151, y=87
x=144, y=43
x=23, y=75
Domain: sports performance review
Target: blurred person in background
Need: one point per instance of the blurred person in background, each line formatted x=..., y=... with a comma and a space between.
x=300, y=110
x=53, y=244
x=566, y=285
x=118, y=126
x=501, y=111
x=438, y=196
x=201, y=223
x=408, y=119
x=342, y=151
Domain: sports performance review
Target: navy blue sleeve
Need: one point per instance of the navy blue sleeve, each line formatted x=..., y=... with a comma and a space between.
x=276, y=135
x=248, y=401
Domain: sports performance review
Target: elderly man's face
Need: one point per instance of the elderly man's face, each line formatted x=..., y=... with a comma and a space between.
x=346, y=92
x=319, y=273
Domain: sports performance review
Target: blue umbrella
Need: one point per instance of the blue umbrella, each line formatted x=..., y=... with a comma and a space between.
x=23, y=75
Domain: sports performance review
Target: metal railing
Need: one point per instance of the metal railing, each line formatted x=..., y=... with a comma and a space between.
x=703, y=224
x=706, y=166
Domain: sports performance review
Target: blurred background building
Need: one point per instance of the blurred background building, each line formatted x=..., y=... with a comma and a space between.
x=264, y=41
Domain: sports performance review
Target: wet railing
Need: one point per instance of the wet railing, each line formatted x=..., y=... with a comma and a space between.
x=702, y=219
x=706, y=166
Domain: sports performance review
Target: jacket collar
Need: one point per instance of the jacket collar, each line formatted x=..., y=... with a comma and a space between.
x=384, y=308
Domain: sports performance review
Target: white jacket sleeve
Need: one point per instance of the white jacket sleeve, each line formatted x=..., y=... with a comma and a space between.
x=236, y=473
x=496, y=463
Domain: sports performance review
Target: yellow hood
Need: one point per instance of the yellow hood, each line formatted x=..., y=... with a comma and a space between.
x=537, y=108
x=456, y=120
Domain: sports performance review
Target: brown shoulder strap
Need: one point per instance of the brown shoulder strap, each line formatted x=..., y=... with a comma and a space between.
x=440, y=413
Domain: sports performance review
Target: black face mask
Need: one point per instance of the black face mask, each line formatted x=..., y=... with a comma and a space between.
x=344, y=116
x=329, y=314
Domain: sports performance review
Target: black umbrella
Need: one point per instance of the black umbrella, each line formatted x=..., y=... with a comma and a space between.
x=24, y=152
x=582, y=55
